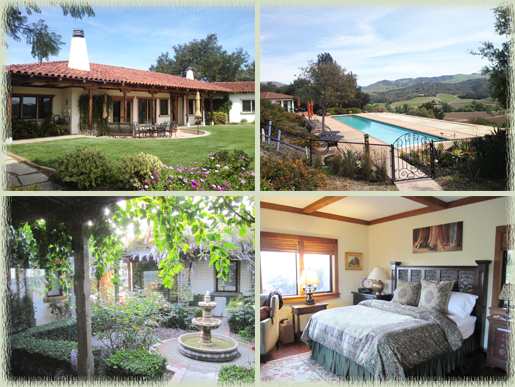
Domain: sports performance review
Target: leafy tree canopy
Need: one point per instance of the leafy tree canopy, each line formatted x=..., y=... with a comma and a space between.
x=324, y=58
x=327, y=84
x=208, y=60
x=44, y=42
x=498, y=71
x=47, y=244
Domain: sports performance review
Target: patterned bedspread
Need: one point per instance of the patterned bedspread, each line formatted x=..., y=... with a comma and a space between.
x=384, y=337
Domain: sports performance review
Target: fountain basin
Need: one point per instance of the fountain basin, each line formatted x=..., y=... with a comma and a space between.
x=212, y=323
x=226, y=351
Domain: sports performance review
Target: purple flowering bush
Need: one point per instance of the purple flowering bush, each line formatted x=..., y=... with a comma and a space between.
x=221, y=171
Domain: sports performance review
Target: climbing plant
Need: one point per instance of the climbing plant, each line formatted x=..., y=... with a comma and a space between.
x=99, y=123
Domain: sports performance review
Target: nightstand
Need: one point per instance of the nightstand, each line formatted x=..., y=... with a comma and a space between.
x=498, y=342
x=298, y=310
x=358, y=297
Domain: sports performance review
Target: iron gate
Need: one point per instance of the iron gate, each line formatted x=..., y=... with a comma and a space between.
x=413, y=157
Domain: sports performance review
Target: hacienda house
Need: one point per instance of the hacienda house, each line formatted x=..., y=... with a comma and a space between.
x=286, y=101
x=143, y=96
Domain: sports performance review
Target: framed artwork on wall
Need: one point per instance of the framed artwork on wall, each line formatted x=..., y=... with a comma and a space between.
x=441, y=238
x=353, y=261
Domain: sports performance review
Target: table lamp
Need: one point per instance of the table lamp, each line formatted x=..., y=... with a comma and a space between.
x=378, y=275
x=309, y=278
x=506, y=296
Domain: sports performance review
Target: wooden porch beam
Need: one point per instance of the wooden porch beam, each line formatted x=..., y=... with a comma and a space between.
x=325, y=201
x=124, y=106
x=90, y=117
x=211, y=103
x=429, y=201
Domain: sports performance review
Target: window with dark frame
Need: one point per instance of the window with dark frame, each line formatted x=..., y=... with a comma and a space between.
x=285, y=256
x=56, y=290
x=248, y=106
x=191, y=106
x=31, y=107
x=231, y=284
x=163, y=107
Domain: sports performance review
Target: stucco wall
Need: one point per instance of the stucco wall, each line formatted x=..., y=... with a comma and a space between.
x=236, y=114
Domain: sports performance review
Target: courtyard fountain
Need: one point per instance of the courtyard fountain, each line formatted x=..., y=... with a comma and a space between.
x=204, y=345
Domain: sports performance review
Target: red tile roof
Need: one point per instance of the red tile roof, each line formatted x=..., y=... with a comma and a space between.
x=116, y=74
x=271, y=95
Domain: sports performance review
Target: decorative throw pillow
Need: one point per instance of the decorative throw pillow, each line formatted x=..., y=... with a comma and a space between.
x=407, y=293
x=264, y=312
x=435, y=295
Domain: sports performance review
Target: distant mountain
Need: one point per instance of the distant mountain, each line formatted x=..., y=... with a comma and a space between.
x=385, y=85
x=278, y=84
x=478, y=88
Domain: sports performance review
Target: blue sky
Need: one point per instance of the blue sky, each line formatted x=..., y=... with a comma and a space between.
x=375, y=44
x=135, y=37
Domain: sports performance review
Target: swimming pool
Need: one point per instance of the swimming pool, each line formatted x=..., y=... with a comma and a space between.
x=384, y=132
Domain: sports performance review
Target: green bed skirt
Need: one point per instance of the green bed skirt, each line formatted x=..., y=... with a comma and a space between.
x=433, y=368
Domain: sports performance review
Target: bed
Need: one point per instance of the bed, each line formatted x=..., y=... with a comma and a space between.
x=380, y=340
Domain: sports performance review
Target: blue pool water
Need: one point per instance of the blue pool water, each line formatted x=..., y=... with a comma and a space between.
x=384, y=132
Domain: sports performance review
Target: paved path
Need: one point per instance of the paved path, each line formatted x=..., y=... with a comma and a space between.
x=23, y=176
x=193, y=372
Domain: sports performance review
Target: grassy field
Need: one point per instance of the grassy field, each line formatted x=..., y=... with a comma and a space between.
x=171, y=152
x=441, y=98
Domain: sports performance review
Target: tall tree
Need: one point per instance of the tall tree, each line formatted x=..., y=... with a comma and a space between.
x=208, y=60
x=499, y=70
x=44, y=42
x=327, y=85
x=324, y=58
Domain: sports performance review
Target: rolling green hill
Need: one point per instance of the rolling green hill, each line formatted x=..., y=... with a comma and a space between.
x=385, y=85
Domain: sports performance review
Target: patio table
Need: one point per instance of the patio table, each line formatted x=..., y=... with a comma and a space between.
x=158, y=128
x=328, y=133
x=331, y=141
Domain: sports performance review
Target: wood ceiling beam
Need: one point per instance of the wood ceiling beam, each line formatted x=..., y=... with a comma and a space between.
x=429, y=201
x=300, y=211
x=471, y=200
x=402, y=215
x=325, y=201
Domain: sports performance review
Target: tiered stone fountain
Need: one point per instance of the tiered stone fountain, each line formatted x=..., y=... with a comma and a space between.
x=206, y=346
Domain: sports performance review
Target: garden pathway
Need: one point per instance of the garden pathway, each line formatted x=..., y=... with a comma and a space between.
x=22, y=176
x=192, y=372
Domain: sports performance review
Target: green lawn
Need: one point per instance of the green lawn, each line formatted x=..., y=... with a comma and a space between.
x=171, y=152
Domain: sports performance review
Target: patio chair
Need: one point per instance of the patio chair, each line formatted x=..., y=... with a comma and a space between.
x=136, y=129
x=269, y=328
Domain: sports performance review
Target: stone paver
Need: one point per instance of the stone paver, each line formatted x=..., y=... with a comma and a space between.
x=426, y=184
x=23, y=176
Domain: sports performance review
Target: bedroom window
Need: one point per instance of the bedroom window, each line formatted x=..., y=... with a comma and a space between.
x=285, y=256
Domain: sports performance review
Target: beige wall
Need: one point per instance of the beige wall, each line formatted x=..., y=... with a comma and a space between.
x=392, y=241
x=351, y=238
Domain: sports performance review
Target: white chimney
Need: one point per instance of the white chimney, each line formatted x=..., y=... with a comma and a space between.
x=189, y=73
x=78, y=51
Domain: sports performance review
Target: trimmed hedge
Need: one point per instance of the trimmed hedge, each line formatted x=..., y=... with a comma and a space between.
x=46, y=351
x=136, y=365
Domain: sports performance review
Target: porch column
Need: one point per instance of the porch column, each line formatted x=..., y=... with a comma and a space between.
x=202, y=97
x=228, y=117
x=9, y=133
x=82, y=289
x=90, y=118
x=124, y=106
x=187, y=106
x=172, y=104
x=211, y=102
x=176, y=110
x=153, y=108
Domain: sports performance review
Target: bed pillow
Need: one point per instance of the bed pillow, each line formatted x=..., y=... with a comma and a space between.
x=407, y=293
x=435, y=295
x=461, y=304
x=264, y=312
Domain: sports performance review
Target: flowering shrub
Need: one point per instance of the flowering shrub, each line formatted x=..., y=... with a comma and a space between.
x=129, y=324
x=220, y=171
x=305, y=141
x=289, y=174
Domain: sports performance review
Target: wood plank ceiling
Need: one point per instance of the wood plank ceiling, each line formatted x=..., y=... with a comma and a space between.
x=429, y=203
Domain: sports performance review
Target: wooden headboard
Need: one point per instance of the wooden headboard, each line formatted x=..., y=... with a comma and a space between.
x=467, y=279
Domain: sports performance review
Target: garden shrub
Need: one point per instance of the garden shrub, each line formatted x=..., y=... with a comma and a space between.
x=381, y=172
x=349, y=163
x=135, y=168
x=366, y=166
x=129, y=324
x=421, y=112
x=234, y=373
x=490, y=154
x=46, y=351
x=219, y=118
x=481, y=121
x=308, y=140
x=181, y=315
x=446, y=159
x=24, y=129
x=21, y=312
x=86, y=167
x=272, y=112
x=336, y=164
x=221, y=171
x=243, y=318
x=136, y=364
x=290, y=174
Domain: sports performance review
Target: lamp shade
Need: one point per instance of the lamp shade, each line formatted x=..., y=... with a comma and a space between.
x=378, y=274
x=505, y=293
x=309, y=277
